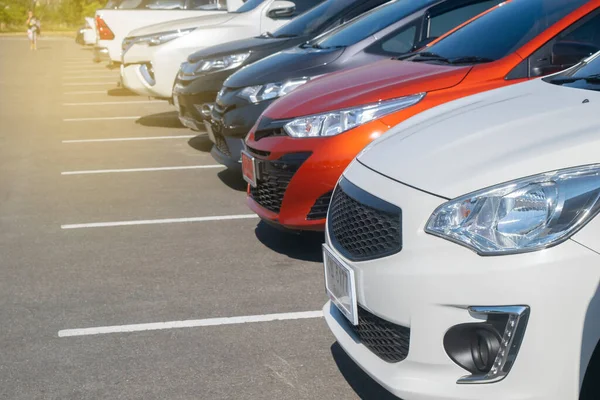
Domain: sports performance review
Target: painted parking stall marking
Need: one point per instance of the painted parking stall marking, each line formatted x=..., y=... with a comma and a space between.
x=158, y=221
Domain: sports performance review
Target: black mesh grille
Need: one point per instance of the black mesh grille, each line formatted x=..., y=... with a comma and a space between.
x=319, y=209
x=388, y=341
x=361, y=226
x=274, y=178
x=221, y=144
x=269, y=133
x=257, y=152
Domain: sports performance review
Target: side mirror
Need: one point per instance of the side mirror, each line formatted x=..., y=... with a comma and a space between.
x=281, y=9
x=564, y=55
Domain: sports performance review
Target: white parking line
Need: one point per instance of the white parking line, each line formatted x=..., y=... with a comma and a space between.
x=128, y=139
x=91, y=83
x=100, y=119
x=191, y=323
x=87, y=92
x=114, y=171
x=158, y=221
x=108, y=103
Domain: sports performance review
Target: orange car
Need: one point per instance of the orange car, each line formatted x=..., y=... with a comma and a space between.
x=302, y=143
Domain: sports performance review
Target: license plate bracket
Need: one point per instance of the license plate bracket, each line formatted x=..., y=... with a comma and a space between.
x=249, y=169
x=209, y=131
x=340, y=284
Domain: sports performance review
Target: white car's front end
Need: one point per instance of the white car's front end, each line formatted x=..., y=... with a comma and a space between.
x=492, y=296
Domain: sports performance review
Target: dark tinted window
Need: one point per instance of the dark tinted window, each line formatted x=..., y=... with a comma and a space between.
x=207, y=4
x=305, y=5
x=446, y=21
x=317, y=19
x=371, y=23
x=401, y=42
x=249, y=6
x=505, y=29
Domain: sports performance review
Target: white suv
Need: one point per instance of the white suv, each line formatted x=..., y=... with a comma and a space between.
x=152, y=55
x=463, y=247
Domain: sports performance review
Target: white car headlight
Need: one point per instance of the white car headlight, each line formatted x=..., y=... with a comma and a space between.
x=159, y=38
x=523, y=215
x=336, y=122
x=256, y=94
x=221, y=64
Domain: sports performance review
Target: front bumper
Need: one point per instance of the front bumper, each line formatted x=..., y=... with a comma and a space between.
x=101, y=54
x=310, y=187
x=429, y=284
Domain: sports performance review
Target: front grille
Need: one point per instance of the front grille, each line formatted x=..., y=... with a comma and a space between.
x=269, y=133
x=361, y=226
x=221, y=144
x=257, y=152
x=319, y=209
x=274, y=178
x=388, y=341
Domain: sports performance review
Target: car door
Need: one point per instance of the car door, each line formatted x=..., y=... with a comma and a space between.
x=430, y=25
x=270, y=23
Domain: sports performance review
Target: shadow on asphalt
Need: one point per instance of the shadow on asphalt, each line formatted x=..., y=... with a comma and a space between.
x=201, y=143
x=233, y=179
x=161, y=120
x=305, y=246
x=120, y=92
x=364, y=386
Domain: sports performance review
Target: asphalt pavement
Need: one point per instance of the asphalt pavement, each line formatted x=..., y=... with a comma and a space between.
x=114, y=216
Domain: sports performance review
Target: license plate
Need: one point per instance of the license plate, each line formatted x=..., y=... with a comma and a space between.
x=249, y=168
x=209, y=130
x=340, y=285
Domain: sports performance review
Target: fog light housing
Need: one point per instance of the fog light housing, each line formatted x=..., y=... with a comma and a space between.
x=148, y=73
x=487, y=349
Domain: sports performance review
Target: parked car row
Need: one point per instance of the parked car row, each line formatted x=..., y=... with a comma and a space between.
x=446, y=147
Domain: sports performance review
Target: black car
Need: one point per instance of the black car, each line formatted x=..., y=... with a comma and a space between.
x=393, y=29
x=202, y=76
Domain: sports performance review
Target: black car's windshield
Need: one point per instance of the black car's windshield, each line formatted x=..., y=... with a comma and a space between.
x=501, y=31
x=586, y=75
x=313, y=20
x=248, y=6
x=370, y=23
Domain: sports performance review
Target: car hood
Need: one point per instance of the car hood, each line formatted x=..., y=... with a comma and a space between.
x=195, y=22
x=491, y=138
x=280, y=66
x=241, y=46
x=371, y=83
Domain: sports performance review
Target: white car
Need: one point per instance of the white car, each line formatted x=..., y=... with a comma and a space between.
x=462, y=256
x=119, y=17
x=153, y=55
x=89, y=34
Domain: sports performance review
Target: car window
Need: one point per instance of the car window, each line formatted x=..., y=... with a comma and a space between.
x=207, y=4
x=305, y=5
x=446, y=21
x=318, y=18
x=248, y=6
x=129, y=4
x=585, y=76
x=370, y=23
x=580, y=40
x=401, y=42
x=505, y=29
x=112, y=4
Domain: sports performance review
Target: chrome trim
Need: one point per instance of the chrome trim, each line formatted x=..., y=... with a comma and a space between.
x=512, y=338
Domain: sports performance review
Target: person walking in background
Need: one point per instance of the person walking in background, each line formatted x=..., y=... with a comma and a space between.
x=33, y=30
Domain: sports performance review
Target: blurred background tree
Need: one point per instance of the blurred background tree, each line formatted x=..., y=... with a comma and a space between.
x=54, y=14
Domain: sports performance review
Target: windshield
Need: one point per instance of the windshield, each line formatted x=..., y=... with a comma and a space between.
x=503, y=30
x=248, y=6
x=584, y=76
x=313, y=20
x=370, y=23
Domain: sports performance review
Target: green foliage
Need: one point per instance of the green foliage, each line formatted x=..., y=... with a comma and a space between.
x=13, y=13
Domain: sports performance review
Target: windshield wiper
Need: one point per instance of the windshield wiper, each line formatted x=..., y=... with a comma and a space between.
x=595, y=78
x=285, y=36
x=471, y=60
x=429, y=56
x=268, y=34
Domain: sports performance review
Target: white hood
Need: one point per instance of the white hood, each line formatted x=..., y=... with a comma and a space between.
x=195, y=22
x=491, y=138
